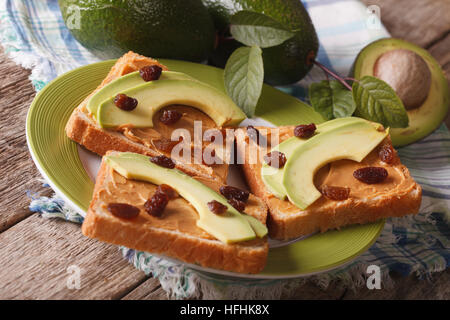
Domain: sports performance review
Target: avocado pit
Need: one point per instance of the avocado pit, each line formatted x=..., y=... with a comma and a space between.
x=407, y=73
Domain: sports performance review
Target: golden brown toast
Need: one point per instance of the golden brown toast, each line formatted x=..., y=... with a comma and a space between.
x=83, y=129
x=175, y=234
x=397, y=196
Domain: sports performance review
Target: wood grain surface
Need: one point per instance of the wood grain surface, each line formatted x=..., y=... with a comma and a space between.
x=35, y=253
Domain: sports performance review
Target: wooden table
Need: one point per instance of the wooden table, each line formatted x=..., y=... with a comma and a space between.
x=35, y=252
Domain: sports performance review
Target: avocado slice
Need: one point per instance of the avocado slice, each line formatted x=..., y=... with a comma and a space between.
x=154, y=95
x=127, y=81
x=284, y=64
x=353, y=141
x=273, y=177
x=176, y=29
x=430, y=113
x=228, y=228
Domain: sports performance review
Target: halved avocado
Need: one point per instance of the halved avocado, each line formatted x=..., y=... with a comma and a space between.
x=429, y=113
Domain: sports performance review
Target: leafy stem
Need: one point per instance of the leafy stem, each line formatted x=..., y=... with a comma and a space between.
x=334, y=75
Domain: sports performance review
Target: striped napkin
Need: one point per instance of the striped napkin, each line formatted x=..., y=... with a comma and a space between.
x=34, y=36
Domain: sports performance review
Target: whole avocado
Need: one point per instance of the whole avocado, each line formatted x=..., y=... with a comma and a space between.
x=176, y=29
x=284, y=64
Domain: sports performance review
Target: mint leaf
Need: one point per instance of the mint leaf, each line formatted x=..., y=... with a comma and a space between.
x=256, y=29
x=377, y=101
x=331, y=99
x=243, y=78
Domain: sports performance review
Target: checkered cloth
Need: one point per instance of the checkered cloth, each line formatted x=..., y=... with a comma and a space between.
x=33, y=34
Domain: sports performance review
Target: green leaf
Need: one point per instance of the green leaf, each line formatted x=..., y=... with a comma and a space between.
x=377, y=101
x=331, y=99
x=243, y=77
x=256, y=29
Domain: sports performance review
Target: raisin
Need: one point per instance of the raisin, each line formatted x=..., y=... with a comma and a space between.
x=163, y=161
x=168, y=190
x=165, y=145
x=371, y=175
x=387, y=154
x=305, y=130
x=237, y=204
x=156, y=204
x=253, y=134
x=230, y=192
x=150, y=73
x=125, y=102
x=123, y=210
x=216, y=207
x=169, y=117
x=335, y=193
x=275, y=159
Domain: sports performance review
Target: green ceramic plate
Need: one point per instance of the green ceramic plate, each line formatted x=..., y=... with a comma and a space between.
x=58, y=160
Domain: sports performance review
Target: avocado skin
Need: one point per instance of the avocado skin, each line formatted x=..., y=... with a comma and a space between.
x=283, y=64
x=176, y=29
x=424, y=119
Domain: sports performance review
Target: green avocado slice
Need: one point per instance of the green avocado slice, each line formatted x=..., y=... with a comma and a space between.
x=154, y=95
x=353, y=141
x=273, y=177
x=424, y=119
x=229, y=228
x=125, y=82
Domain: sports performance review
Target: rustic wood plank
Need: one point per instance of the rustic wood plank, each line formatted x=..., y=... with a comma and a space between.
x=37, y=252
x=17, y=171
x=441, y=51
x=423, y=22
x=149, y=290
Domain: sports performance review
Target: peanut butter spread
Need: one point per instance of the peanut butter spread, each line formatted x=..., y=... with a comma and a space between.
x=340, y=174
x=160, y=138
x=179, y=215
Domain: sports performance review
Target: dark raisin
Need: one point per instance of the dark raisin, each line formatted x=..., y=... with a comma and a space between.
x=237, y=204
x=163, y=161
x=169, y=117
x=150, y=73
x=156, y=204
x=125, y=102
x=168, y=190
x=230, y=192
x=305, y=130
x=253, y=134
x=335, y=193
x=216, y=207
x=123, y=210
x=275, y=159
x=387, y=154
x=371, y=175
x=165, y=145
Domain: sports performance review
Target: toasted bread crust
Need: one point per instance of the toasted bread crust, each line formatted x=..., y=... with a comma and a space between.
x=285, y=226
x=243, y=258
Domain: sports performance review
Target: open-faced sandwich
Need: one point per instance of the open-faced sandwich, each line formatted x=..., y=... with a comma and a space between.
x=140, y=106
x=147, y=204
x=315, y=178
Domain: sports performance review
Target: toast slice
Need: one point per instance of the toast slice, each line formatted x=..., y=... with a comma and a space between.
x=83, y=128
x=397, y=196
x=175, y=234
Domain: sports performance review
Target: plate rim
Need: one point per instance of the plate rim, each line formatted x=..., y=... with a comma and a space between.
x=204, y=270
